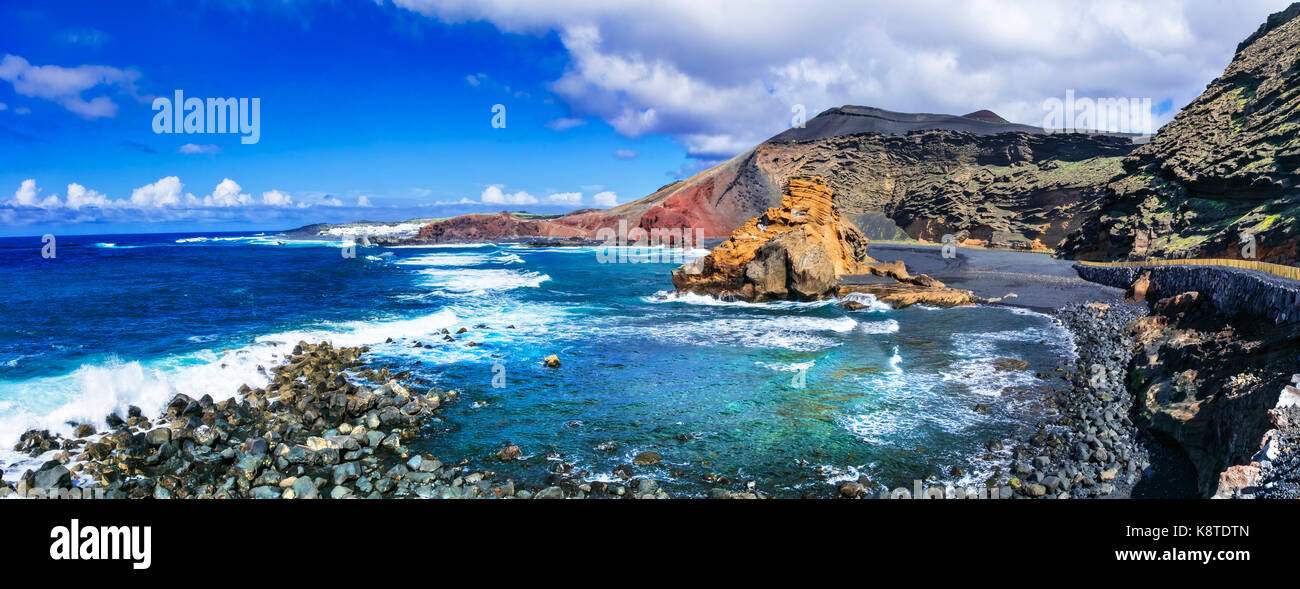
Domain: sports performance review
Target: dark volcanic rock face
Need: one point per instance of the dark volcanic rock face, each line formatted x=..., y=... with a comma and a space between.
x=1211, y=359
x=984, y=180
x=1010, y=189
x=857, y=120
x=1208, y=382
x=1223, y=168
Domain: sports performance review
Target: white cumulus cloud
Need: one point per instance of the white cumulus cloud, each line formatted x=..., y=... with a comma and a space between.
x=494, y=194
x=275, y=198
x=227, y=194
x=79, y=196
x=722, y=76
x=28, y=195
x=165, y=192
x=605, y=199
x=67, y=85
x=566, y=198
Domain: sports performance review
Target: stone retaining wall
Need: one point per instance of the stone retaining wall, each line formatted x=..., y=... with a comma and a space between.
x=1232, y=291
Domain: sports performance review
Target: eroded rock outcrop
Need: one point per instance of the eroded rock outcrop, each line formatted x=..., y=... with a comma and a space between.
x=794, y=251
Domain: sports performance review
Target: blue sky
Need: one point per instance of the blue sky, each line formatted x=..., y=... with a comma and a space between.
x=356, y=100
x=383, y=110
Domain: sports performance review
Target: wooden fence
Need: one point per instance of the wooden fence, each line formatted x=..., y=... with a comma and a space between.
x=1289, y=272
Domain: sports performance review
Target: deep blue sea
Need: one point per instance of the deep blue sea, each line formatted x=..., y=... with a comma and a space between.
x=793, y=396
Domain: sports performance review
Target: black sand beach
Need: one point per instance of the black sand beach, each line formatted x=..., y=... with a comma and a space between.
x=1038, y=281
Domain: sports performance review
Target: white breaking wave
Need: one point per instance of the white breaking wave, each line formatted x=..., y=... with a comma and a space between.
x=450, y=274
x=879, y=327
x=470, y=282
x=260, y=240
x=900, y=408
x=445, y=259
x=788, y=367
x=868, y=300
x=796, y=333
x=691, y=298
x=90, y=393
x=442, y=246
x=979, y=350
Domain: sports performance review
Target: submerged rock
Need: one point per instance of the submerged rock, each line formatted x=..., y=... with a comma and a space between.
x=1010, y=364
x=647, y=458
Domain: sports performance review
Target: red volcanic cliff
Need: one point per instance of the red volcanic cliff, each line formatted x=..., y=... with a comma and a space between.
x=469, y=228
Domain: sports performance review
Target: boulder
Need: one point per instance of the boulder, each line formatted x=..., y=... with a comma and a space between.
x=1137, y=292
x=159, y=436
x=304, y=488
x=509, y=453
x=52, y=475
x=647, y=458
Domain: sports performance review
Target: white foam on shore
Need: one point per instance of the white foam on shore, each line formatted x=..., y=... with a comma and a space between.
x=93, y=391
x=979, y=351
x=690, y=298
x=900, y=408
x=867, y=300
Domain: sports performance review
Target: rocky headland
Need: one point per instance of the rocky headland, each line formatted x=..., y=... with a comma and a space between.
x=802, y=250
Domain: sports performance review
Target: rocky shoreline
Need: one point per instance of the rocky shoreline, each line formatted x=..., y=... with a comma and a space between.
x=326, y=426
x=1091, y=448
x=330, y=424
x=1087, y=446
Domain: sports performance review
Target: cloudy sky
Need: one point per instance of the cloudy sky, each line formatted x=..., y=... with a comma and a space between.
x=385, y=109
